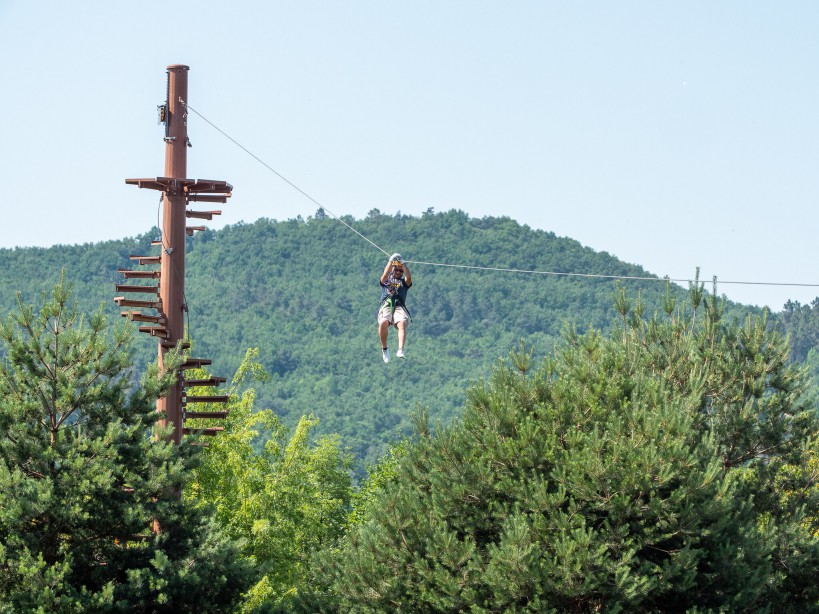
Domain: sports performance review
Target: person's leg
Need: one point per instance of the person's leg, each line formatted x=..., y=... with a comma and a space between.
x=401, y=322
x=384, y=316
x=383, y=329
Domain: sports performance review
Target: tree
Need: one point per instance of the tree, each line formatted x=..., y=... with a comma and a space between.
x=283, y=498
x=635, y=472
x=83, y=481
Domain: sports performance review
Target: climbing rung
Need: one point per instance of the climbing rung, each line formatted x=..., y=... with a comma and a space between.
x=155, y=331
x=138, y=316
x=202, y=215
x=212, y=198
x=172, y=344
x=211, y=381
x=214, y=398
x=211, y=430
x=138, y=274
x=195, y=363
x=189, y=230
x=206, y=415
x=156, y=242
x=125, y=302
x=147, y=259
x=143, y=289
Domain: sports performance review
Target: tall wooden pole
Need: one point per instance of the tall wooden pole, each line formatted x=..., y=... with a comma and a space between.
x=172, y=269
x=168, y=323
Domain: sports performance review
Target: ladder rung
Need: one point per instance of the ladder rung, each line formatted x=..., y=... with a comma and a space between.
x=126, y=302
x=195, y=363
x=143, y=289
x=147, y=259
x=172, y=344
x=211, y=198
x=155, y=331
x=196, y=415
x=207, y=186
x=211, y=381
x=189, y=230
x=211, y=430
x=202, y=215
x=138, y=274
x=138, y=316
x=212, y=398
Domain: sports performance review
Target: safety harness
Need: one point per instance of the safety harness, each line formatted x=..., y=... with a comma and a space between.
x=393, y=299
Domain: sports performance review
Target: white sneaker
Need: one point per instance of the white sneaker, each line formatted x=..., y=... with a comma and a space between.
x=400, y=353
x=385, y=354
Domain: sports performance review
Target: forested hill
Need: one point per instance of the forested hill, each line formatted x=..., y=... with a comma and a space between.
x=305, y=292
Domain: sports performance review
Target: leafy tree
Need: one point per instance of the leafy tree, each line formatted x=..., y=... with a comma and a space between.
x=284, y=501
x=637, y=472
x=802, y=323
x=318, y=329
x=83, y=482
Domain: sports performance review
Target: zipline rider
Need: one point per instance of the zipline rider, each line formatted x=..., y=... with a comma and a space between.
x=395, y=281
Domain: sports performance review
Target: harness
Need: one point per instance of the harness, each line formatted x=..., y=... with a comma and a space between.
x=394, y=300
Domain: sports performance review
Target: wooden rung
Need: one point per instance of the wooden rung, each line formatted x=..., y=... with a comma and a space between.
x=147, y=259
x=172, y=344
x=212, y=398
x=195, y=363
x=211, y=381
x=126, y=302
x=155, y=331
x=208, y=186
x=210, y=198
x=156, y=242
x=211, y=430
x=138, y=316
x=142, y=289
x=202, y=215
x=204, y=444
x=189, y=230
x=138, y=274
x=196, y=415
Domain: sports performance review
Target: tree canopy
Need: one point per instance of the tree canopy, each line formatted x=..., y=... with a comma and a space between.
x=90, y=517
x=305, y=292
x=665, y=467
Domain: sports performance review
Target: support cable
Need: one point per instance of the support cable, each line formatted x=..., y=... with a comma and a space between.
x=482, y=268
x=280, y=176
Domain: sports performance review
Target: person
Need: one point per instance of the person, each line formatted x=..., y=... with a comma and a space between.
x=395, y=281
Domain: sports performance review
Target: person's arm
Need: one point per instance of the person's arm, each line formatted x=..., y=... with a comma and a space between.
x=387, y=269
x=407, y=275
x=396, y=257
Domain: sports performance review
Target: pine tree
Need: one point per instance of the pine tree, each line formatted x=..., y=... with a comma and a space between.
x=83, y=480
x=630, y=473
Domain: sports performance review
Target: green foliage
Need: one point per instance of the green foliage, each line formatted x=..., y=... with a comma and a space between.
x=284, y=501
x=638, y=472
x=83, y=482
x=306, y=291
x=802, y=323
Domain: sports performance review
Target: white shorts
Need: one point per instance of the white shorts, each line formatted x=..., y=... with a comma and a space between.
x=399, y=315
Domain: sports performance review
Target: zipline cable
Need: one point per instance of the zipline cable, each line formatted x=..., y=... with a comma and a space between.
x=600, y=276
x=280, y=176
x=482, y=268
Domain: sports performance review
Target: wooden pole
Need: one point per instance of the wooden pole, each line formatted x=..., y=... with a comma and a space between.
x=172, y=267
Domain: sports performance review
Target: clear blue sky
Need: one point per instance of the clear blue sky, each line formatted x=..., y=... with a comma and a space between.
x=669, y=134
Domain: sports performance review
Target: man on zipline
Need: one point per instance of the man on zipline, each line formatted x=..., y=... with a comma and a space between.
x=395, y=281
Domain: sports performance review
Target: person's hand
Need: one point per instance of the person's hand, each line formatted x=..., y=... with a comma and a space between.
x=396, y=257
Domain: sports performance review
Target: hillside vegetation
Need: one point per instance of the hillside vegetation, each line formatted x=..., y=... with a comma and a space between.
x=305, y=292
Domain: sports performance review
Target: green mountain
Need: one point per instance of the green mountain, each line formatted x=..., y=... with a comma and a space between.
x=305, y=292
